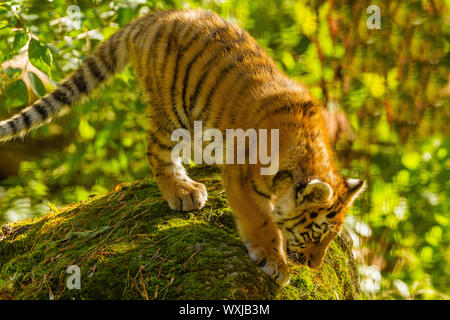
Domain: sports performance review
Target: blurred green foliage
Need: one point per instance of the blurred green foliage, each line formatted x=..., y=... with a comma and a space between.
x=393, y=83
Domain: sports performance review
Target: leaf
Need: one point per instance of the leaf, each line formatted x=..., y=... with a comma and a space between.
x=40, y=56
x=16, y=94
x=36, y=84
x=3, y=10
x=5, y=30
x=86, y=130
x=91, y=233
x=411, y=160
x=302, y=46
x=20, y=40
x=125, y=14
x=52, y=207
x=12, y=71
x=288, y=60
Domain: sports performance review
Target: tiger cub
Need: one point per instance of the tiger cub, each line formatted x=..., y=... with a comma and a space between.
x=193, y=65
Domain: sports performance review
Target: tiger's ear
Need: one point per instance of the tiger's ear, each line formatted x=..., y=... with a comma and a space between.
x=355, y=188
x=316, y=191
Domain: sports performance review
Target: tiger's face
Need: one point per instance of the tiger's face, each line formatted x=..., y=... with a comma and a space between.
x=310, y=215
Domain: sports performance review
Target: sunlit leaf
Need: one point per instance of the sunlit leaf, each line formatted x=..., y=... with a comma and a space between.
x=20, y=40
x=411, y=160
x=442, y=220
x=288, y=60
x=36, y=84
x=40, y=56
x=374, y=83
x=86, y=130
x=434, y=236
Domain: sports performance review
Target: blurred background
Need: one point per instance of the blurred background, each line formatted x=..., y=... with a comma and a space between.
x=385, y=93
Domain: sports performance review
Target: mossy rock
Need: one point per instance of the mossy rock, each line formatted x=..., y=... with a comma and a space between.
x=128, y=244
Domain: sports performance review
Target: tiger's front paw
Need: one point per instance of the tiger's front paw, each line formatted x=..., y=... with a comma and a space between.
x=183, y=195
x=271, y=263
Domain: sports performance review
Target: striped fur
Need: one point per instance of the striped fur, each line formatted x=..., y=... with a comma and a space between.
x=193, y=65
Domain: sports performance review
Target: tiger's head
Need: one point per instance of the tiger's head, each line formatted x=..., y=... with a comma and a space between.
x=310, y=214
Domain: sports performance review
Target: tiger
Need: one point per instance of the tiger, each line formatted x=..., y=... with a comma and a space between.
x=193, y=65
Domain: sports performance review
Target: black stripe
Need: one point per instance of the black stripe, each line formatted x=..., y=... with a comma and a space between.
x=112, y=51
x=171, y=39
x=137, y=28
x=281, y=175
x=300, y=222
x=152, y=57
x=243, y=176
x=238, y=96
x=161, y=28
x=188, y=72
x=198, y=88
x=262, y=263
x=104, y=57
x=69, y=88
x=41, y=110
x=212, y=36
x=93, y=68
x=272, y=99
x=161, y=162
x=157, y=142
x=223, y=73
x=242, y=53
x=61, y=97
x=78, y=79
x=312, y=215
x=284, y=109
x=331, y=214
x=12, y=125
x=242, y=81
x=296, y=217
x=268, y=100
x=257, y=191
x=293, y=123
x=182, y=51
x=307, y=237
x=292, y=232
x=317, y=226
x=174, y=79
x=263, y=64
x=26, y=119
x=155, y=39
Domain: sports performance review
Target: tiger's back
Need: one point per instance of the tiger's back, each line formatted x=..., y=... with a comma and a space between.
x=196, y=66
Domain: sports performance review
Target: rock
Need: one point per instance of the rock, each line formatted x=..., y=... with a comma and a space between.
x=128, y=244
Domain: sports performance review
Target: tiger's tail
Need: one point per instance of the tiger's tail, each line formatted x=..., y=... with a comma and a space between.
x=109, y=57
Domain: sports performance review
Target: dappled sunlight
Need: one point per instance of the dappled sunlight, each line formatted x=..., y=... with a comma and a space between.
x=387, y=91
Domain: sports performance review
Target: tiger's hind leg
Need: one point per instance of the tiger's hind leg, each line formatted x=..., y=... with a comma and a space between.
x=181, y=192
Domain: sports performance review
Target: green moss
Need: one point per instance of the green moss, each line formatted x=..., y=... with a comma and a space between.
x=130, y=245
